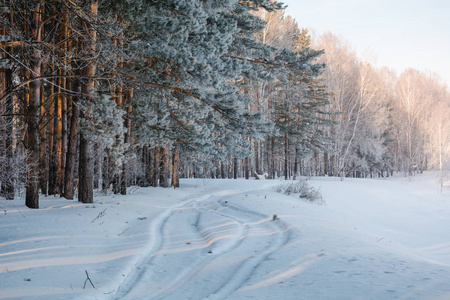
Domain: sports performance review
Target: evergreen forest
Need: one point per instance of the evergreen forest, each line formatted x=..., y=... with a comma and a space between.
x=100, y=95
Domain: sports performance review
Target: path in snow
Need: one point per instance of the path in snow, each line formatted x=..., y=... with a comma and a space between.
x=205, y=243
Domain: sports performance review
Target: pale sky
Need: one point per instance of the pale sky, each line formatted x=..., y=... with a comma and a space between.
x=396, y=33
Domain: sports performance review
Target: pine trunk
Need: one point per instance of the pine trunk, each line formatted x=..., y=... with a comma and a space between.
x=296, y=164
x=60, y=99
x=246, y=168
x=317, y=169
x=85, y=185
x=97, y=166
x=72, y=142
x=64, y=106
x=223, y=173
x=69, y=178
x=123, y=179
x=127, y=138
x=52, y=145
x=257, y=166
x=3, y=33
x=286, y=157
x=43, y=138
x=268, y=162
x=59, y=139
x=150, y=165
x=86, y=173
x=106, y=174
x=155, y=167
x=145, y=164
x=53, y=164
x=32, y=118
x=325, y=164
x=175, y=178
x=4, y=161
x=62, y=155
x=7, y=187
x=164, y=168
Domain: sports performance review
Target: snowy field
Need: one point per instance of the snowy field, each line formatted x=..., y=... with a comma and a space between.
x=217, y=239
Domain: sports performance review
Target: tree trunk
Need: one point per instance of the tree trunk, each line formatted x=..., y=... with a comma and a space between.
x=59, y=135
x=7, y=188
x=223, y=174
x=106, y=174
x=85, y=184
x=97, y=165
x=32, y=193
x=72, y=143
x=235, y=168
x=62, y=100
x=257, y=164
x=317, y=166
x=123, y=179
x=175, y=178
x=271, y=160
x=85, y=193
x=155, y=167
x=296, y=164
x=325, y=164
x=52, y=144
x=286, y=157
x=69, y=178
x=146, y=163
x=43, y=176
x=4, y=162
x=164, y=168
x=6, y=84
x=116, y=179
x=246, y=168
x=53, y=164
x=127, y=139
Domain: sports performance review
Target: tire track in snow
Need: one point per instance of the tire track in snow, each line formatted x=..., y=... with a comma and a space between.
x=155, y=242
x=237, y=280
x=207, y=244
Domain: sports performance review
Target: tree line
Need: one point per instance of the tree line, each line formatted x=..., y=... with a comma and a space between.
x=101, y=95
x=387, y=122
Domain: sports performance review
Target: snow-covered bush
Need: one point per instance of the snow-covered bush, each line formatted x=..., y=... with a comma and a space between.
x=303, y=189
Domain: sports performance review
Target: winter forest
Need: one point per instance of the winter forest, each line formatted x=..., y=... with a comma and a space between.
x=98, y=96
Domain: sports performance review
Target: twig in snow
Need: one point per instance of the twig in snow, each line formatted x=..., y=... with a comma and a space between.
x=380, y=239
x=109, y=292
x=101, y=214
x=19, y=211
x=3, y=209
x=87, y=279
x=123, y=231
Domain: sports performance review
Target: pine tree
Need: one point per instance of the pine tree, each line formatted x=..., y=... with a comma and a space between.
x=32, y=108
x=6, y=102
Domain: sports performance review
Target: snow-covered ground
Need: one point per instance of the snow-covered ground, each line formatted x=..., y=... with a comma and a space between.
x=217, y=239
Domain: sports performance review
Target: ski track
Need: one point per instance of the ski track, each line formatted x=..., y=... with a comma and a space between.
x=217, y=248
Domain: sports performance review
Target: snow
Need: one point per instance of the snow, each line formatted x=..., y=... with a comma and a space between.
x=218, y=239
